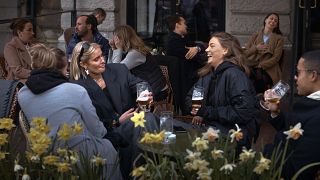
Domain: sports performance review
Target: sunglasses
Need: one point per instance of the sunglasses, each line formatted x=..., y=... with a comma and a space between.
x=84, y=48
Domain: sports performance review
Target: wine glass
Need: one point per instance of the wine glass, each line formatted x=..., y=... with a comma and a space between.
x=197, y=97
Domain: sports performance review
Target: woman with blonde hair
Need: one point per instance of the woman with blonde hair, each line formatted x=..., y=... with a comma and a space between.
x=129, y=49
x=48, y=94
x=229, y=97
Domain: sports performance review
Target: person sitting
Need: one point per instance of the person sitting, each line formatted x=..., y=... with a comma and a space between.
x=178, y=45
x=86, y=30
x=305, y=110
x=17, y=58
x=138, y=59
x=100, y=15
x=264, y=50
x=229, y=96
x=112, y=89
x=48, y=94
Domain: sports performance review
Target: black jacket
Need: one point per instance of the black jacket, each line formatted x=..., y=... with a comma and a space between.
x=151, y=72
x=304, y=150
x=232, y=100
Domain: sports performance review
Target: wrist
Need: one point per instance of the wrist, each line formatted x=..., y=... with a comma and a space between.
x=198, y=48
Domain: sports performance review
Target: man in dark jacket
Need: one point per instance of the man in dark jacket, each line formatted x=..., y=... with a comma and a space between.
x=306, y=110
x=179, y=46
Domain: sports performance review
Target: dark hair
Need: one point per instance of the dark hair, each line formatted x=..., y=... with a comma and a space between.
x=234, y=55
x=276, y=29
x=60, y=57
x=18, y=25
x=99, y=11
x=312, y=60
x=91, y=19
x=172, y=20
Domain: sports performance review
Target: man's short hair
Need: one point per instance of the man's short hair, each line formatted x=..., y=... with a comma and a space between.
x=91, y=19
x=172, y=20
x=312, y=60
x=100, y=11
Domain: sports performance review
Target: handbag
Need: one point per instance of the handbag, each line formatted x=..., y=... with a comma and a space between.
x=9, y=106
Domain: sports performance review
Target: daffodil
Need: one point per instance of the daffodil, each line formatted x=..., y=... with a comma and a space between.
x=188, y=166
x=216, y=154
x=200, y=144
x=192, y=155
x=204, y=173
x=62, y=152
x=63, y=167
x=17, y=166
x=138, y=171
x=227, y=168
x=138, y=119
x=211, y=135
x=246, y=155
x=3, y=139
x=39, y=149
x=33, y=135
x=263, y=164
x=44, y=128
x=25, y=176
x=65, y=132
x=38, y=121
x=3, y=155
x=98, y=161
x=236, y=134
x=77, y=128
x=295, y=132
x=6, y=123
x=50, y=160
x=200, y=164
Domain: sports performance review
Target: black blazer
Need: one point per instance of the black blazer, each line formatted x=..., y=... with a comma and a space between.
x=121, y=85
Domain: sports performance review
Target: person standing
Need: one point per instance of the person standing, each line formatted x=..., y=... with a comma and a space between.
x=264, y=51
x=17, y=58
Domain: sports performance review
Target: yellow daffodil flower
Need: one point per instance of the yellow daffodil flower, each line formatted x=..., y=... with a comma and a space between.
x=192, y=155
x=98, y=161
x=77, y=128
x=205, y=173
x=43, y=128
x=263, y=164
x=246, y=155
x=138, y=119
x=62, y=152
x=6, y=123
x=227, y=168
x=50, y=160
x=200, y=144
x=211, y=135
x=188, y=166
x=216, y=154
x=295, y=132
x=38, y=121
x=3, y=139
x=236, y=134
x=138, y=171
x=200, y=164
x=39, y=148
x=63, y=167
x=65, y=132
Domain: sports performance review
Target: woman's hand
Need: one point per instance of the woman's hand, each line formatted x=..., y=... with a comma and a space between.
x=117, y=42
x=197, y=120
x=112, y=44
x=195, y=109
x=126, y=115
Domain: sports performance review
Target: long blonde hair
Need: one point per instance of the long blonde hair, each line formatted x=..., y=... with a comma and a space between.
x=234, y=54
x=76, y=71
x=130, y=40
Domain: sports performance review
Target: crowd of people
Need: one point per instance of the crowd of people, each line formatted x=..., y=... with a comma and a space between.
x=100, y=91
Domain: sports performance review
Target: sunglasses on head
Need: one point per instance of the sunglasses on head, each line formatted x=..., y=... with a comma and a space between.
x=84, y=48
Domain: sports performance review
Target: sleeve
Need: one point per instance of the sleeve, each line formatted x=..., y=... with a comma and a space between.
x=13, y=60
x=278, y=122
x=90, y=118
x=176, y=47
x=71, y=45
x=117, y=56
x=133, y=59
x=275, y=57
x=251, y=46
x=240, y=107
x=132, y=81
x=104, y=43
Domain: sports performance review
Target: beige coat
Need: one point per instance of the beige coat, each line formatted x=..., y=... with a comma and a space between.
x=18, y=60
x=268, y=59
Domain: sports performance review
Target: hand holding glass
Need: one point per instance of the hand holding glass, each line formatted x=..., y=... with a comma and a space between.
x=275, y=94
x=197, y=98
x=143, y=96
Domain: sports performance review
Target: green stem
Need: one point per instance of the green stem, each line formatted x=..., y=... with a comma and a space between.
x=282, y=159
x=303, y=169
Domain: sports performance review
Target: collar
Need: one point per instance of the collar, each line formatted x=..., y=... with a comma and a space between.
x=315, y=95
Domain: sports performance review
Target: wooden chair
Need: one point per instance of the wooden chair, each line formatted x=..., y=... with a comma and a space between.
x=67, y=34
x=167, y=104
x=3, y=71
